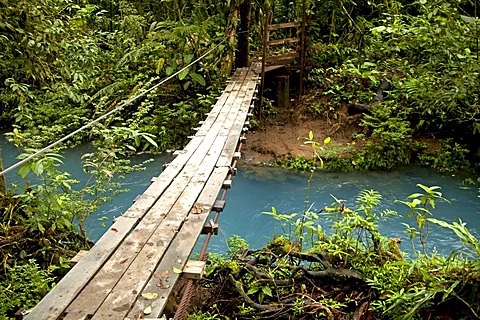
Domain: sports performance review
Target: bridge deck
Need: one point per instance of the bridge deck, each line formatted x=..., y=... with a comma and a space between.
x=138, y=260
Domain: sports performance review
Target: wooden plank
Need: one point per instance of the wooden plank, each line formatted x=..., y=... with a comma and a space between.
x=164, y=279
x=194, y=269
x=103, y=283
x=278, y=59
x=126, y=291
x=177, y=173
x=78, y=257
x=213, y=114
x=283, y=41
x=236, y=128
x=284, y=25
x=55, y=302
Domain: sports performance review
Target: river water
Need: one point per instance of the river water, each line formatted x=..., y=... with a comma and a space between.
x=256, y=190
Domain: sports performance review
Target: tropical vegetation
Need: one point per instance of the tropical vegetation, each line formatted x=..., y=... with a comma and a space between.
x=65, y=63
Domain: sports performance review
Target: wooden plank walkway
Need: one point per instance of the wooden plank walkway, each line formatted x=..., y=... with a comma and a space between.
x=146, y=247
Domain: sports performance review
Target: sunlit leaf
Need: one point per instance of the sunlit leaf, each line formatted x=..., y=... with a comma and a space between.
x=147, y=310
x=150, y=295
x=176, y=270
x=24, y=170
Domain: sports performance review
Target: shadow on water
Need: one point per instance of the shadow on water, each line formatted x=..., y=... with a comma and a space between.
x=256, y=190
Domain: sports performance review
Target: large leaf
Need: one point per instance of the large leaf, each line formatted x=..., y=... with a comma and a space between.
x=197, y=78
x=183, y=74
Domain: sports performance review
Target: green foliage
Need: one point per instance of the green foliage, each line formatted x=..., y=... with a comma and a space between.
x=449, y=157
x=428, y=51
x=420, y=205
x=236, y=245
x=23, y=287
x=407, y=289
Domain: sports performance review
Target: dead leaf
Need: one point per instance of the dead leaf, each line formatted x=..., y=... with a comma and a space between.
x=150, y=295
x=147, y=310
x=162, y=286
x=139, y=315
x=114, y=229
x=179, y=261
x=165, y=274
x=123, y=261
x=197, y=208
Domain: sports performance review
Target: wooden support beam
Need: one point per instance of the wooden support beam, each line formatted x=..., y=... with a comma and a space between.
x=78, y=257
x=283, y=41
x=285, y=25
x=219, y=205
x=227, y=184
x=194, y=269
x=210, y=227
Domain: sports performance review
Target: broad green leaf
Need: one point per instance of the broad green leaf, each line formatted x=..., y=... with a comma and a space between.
x=183, y=74
x=169, y=70
x=24, y=170
x=41, y=228
x=187, y=58
x=150, y=140
x=160, y=64
x=267, y=291
x=198, y=78
x=252, y=290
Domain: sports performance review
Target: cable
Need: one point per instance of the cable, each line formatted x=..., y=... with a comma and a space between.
x=18, y=164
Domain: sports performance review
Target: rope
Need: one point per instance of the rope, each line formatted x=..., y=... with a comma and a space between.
x=68, y=136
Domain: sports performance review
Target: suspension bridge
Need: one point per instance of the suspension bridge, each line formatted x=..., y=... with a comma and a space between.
x=132, y=270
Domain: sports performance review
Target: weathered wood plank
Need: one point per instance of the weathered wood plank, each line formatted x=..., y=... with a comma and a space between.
x=224, y=101
x=284, y=25
x=164, y=279
x=283, y=41
x=236, y=128
x=126, y=291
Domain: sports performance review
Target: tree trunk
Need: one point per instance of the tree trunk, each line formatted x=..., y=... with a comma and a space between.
x=243, y=45
x=228, y=65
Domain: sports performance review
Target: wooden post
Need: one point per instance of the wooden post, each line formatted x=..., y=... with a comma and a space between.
x=243, y=35
x=264, y=58
x=283, y=91
x=303, y=39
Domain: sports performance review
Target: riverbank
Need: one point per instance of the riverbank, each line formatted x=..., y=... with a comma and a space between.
x=281, y=136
